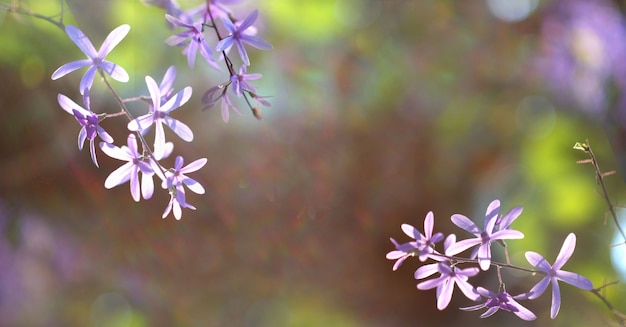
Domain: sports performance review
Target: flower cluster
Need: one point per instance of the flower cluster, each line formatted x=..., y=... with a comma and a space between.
x=142, y=158
x=447, y=263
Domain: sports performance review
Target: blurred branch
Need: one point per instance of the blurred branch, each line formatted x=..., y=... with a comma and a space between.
x=21, y=9
x=586, y=147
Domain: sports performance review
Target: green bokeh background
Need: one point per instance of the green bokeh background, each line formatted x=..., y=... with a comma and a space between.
x=381, y=111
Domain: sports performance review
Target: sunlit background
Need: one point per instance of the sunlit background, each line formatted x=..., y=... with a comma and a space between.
x=381, y=111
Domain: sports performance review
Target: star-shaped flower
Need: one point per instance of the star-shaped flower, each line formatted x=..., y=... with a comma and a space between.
x=484, y=237
x=95, y=59
x=89, y=122
x=175, y=179
x=130, y=170
x=240, y=83
x=160, y=115
x=193, y=40
x=502, y=300
x=449, y=276
x=239, y=35
x=554, y=274
x=423, y=245
x=215, y=94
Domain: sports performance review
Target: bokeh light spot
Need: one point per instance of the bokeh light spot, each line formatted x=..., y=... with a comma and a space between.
x=618, y=252
x=512, y=10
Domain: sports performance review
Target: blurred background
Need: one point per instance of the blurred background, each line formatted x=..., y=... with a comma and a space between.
x=381, y=111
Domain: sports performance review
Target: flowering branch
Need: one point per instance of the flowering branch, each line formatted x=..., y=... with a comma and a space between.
x=586, y=147
x=28, y=12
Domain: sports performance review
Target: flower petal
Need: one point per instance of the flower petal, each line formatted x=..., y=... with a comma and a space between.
x=70, y=67
x=81, y=40
x=566, y=251
x=113, y=39
x=465, y=223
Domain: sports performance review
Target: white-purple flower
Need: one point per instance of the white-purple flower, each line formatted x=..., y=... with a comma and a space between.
x=174, y=182
x=502, y=300
x=239, y=35
x=215, y=94
x=95, y=59
x=484, y=237
x=449, y=276
x=160, y=115
x=130, y=170
x=554, y=274
x=424, y=243
x=193, y=40
x=240, y=83
x=89, y=122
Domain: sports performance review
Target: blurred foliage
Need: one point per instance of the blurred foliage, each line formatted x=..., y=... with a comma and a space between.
x=381, y=111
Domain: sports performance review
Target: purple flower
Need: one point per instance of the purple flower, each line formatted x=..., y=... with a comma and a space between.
x=502, y=300
x=484, y=237
x=89, y=122
x=160, y=116
x=450, y=275
x=215, y=94
x=554, y=274
x=130, y=170
x=194, y=41
x=240, y=83
x=238, y=34
x=423, y=245
x=95, y=58
x=175, y=179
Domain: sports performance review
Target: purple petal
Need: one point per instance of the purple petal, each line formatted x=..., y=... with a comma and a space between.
x=538, y=261
x=465, y=223
x=256, y=42
x=113, y=39
x=147, y=186
x=538, y=289
x=224, y=44
x=87, y=80
x=508, y=219
x=141, y=123
x=159, y=140
x=135, y=189
x=155, y=93
x=168, y=80
x=484, y=257
x=194, y=186
x=70, y=67
x=461, y=246
x=229, y=26
x=467, y=289
x=115, y=152
x=194, y=166
x=566, y=251
x=492, y=211
x=411, y=231
x=119, y=176
x=116, y=71
x=574, y=279
x=425, y=271
x=191, y=51
x=177, y=100
x=82, y=41
x=182, y=130
x=507, y=234
x=556, y=299
x=522, y=311
x=92, y=151
x=106, y=137
x=242, y=53
x=249, y=20
x=446, y=294
x=429, y=223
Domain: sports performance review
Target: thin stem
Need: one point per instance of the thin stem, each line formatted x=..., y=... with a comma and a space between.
x=120, y=102
x=28, y=12
x=229, y=63
x=620, y=317
x=586, y=147
x=493, y=263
